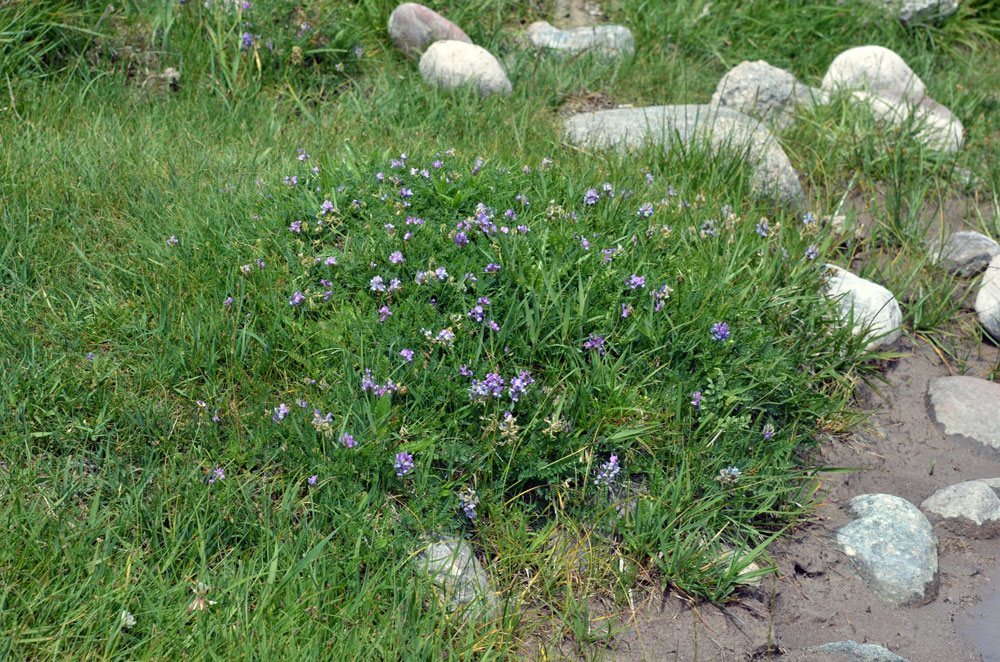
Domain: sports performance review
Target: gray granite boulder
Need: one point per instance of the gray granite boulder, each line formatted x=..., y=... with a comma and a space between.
x=605, y=40
x=969, y=509
x=892, y=545
x=867, y=305
x=968, y=407
x=450, y=64
x=763, y=91
x=918, y=11
x=452, y=566
x=414, y=27
x=852, y=651
x=965, y=253
x=988, y=298
x=717, y=127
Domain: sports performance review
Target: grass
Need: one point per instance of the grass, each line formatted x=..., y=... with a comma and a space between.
x=112, y=338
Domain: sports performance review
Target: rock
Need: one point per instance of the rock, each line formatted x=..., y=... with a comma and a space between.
x=933, y=124
x=606, y=40
x=872, y=69
x=452, y=565
x=763, y=91
x=967, y=406
x=865, y=303
x=988, y=299
x=896, y=96
x=414, y=27
x=627, y=128
x=968, y=509
x=965, y=253
x=453, y=63
x=918, y=11
x=993, y=483
x=892, y=545
x=855, y=652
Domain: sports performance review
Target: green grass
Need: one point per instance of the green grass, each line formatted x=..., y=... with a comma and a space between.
x=105, y=485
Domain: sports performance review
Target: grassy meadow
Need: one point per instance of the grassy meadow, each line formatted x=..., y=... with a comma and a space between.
x=270, y=328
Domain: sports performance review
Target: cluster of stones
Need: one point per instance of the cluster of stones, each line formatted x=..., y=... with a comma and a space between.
x=448, y=58
x=891, y=542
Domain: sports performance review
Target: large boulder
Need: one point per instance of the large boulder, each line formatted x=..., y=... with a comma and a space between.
x=606, y=40
x=414, y=27
x=763, y=91
x=867, y=305
x=454, y=63
x=719, y=128
x=988, y=298
x=893, y=547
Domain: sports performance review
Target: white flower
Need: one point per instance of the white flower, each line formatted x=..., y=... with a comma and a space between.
x=128, y=620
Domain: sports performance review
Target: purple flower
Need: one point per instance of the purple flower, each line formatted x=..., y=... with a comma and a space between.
x=347, y=440
x=228, y=302
x=247, y=40
x=464, y=371
x=591, y=197
x=376, y=284
x=812, y=252
x=404, y=464
x=519, y=385
x=290, y=181
x=696, y=399
x=492, y=268
x=396, y=257
x=172, y=241
x=583, y=242
x=609, y=190
x=468, y=501
x=645, y=211
x=280, y=412
x=523, y=229
x=490, y=386
x=437, y=163
x=441, y=273
x=395, y=284
x=385, y=313
x=296, y=299
x=405, y=192
x=608, y=254
x=301, y=403
x=492, y=325
x=649, y=178
x=295, y=227
x=808, y=218
x=762, y=228
x=626, y=310
x=595, y=343
x=477, y=314
x=768, y=432
x=720, y=331
x=217, y=473
x=312, y=480
x=635, y=282
x=608, y=472
x=407, y=355
x=330, y=261
x=461, y=239
x=302, y=154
